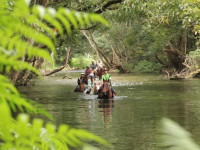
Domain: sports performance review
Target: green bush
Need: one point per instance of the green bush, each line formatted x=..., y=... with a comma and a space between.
x=129, y=66
x=80, y=62
x=194, y=60
x=148, y=67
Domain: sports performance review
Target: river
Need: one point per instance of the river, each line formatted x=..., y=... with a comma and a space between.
x=131, y=119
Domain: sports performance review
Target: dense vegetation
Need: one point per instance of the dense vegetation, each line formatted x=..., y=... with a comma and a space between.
x=159, y=33
x=144, y=36
x=26, y=36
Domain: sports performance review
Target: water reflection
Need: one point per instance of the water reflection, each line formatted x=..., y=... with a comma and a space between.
x=106, y=112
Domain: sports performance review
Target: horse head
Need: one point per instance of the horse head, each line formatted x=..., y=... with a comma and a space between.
x=82, y=88
x=105, y=88
x=96, y=87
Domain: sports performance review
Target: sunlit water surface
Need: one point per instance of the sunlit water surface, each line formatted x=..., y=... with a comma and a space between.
x=130, y=120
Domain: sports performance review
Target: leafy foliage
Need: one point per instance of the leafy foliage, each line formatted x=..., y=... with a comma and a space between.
x=145, y=66
x=175, y=137
x=142, y=29
x=80, y=62
x=194, y=60
x=23, y=134
x=26, y=32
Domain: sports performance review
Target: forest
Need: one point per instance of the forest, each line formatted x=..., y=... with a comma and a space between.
x=137, y=40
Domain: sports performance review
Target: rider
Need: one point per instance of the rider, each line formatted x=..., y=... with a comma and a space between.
x=93, y=66
x=88, y=71
x=90, y=83
x=106, y=77
x=99, y=63
x=81, y=79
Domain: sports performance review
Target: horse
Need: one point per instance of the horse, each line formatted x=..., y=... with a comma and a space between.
x=81, y=87
x=96, y=88
x=95, y=73
x=100, y=72
x=105, y=91
x=93, y=90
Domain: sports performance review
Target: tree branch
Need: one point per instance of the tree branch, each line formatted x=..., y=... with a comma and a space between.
x=159, y=60
x=53, y=71
x=88, y=28
x=103, y=8
x=108, y=4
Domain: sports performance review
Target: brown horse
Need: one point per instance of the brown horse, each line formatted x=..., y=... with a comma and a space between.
x=95, y=73
x=100, y=72
x=80, y=87
x=105, y=91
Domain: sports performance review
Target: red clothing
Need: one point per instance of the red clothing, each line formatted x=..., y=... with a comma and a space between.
x=87, y=72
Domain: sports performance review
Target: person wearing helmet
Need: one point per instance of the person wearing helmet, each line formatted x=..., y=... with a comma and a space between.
x=99, y=63
x=90, y=84
x=93, y=67
x=106, y=77
x=88, y=71
x=82, y=79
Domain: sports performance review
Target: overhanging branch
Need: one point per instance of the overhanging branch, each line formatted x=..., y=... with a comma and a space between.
x=108, y=4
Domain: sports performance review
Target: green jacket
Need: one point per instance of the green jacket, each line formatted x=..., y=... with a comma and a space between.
x=106, y=77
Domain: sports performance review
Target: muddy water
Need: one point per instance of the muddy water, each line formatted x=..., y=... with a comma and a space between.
x=130, y=120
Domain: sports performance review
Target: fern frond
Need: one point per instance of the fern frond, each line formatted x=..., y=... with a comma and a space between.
x=69, y=14
x=27, y=25
x=9, y=94
x=45, y=136
x=175, y=137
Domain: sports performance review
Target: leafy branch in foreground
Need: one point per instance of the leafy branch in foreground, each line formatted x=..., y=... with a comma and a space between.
x=174, y=137
x=23, y=134
x=23, y=31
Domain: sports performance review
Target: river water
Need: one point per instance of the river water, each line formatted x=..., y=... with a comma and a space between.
x=131, y=119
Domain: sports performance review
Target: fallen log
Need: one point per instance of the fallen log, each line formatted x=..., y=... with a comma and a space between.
x=195, y=74
x=53, y=71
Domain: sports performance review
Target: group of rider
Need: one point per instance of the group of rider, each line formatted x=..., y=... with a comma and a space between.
x=90, y=76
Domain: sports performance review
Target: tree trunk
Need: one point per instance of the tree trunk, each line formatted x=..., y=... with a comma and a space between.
x=53, y=71
x=116, y=59
x=65, y=64
x=175, y=57
x=68, y=53
x=92, y=44
x=96, y=48
x=183, y=42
